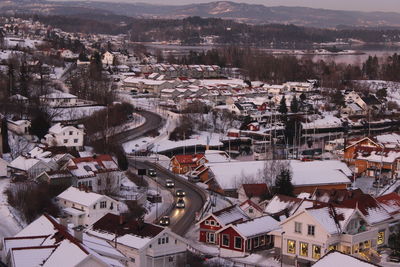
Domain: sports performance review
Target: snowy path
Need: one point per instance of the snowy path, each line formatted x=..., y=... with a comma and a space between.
x=8, y=225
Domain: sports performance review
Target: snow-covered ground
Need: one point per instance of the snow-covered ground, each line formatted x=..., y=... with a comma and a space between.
x=327, y=121
x=8, y=225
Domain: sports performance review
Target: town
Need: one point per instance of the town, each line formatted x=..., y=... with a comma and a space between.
x=112, y=154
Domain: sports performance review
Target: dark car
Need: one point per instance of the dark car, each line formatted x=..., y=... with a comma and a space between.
x=152, y=172
x=164, y=221
x=180, y=204
x=169, y=183
x=180, y=193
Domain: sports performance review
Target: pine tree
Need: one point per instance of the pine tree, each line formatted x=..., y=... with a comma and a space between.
x=294, y=105
x=282, y=106
x=283, y=183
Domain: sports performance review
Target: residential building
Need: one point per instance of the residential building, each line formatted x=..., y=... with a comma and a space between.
x=243, y=238
x=69, y=136
x=251, y=209
x=20, y=127
x=334, y=257
x=183, y=164
x=84, y=207
x=49, y=242
x=99, y=173
x=144, y=244
x=215, y=221
x=59, y=99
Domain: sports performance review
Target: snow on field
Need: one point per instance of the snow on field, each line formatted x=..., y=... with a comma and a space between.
x=6, y=54
x=75, y=113
x=20, y=42
x=8, y=225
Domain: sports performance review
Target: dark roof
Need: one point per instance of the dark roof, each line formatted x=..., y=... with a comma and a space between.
x=115, y=224
x=335, y=195
x=364, y=203
x=371, y=100
x=255, y=190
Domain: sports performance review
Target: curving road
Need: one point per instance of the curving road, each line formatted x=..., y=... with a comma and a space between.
x=181, y=219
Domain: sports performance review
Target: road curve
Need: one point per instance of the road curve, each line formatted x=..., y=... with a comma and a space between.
x=181, y=219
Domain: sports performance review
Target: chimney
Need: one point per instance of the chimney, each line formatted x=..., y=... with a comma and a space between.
x=78, y=232
x=64, y=220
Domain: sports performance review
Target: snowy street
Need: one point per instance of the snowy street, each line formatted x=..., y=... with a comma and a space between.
x=8, y=225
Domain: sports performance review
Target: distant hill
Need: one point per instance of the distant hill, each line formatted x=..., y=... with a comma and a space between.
x=249, y=13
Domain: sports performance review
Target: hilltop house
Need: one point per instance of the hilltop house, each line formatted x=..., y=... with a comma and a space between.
x=59, y=99
x=99, y=173
x=68, y=136
x=20, y=127
x=84, y=207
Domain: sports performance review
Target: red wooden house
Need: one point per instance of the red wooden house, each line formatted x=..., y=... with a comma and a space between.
x=213, y=222
x=183, y=164
x=243, y=238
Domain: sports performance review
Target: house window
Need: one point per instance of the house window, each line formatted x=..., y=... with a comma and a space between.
x=210, y=238
x=163, y=240
x=94, y=206
x=112, y=206
x=256, y=242
x=303, y=249
x=99, y=182
x=311, y=230
x=333, y=247
x=132, y=259
x=170, y=259
x=381, y=237
x=297, y=227
x=75, y=141
x=212, y=223
x=70, y=132
x=251, y=210
x=248, y=244
x=238, y=242
x=207, y=222
x=159, y=241
x=316, y=252
x=103, y=204
x=291, y=246
x=166, y=240
x=225, y=240
x=65, y=141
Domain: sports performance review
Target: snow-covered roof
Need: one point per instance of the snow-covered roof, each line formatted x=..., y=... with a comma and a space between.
x=135, y=80
x=230, y=215
x=80, y=197
x=281, y=203
x=230, y=175
x=334, y=258
x=31, y=256
x=133, y=241
x=23, y=163
x=333, y=219
x=389, y=139
x=90, y=166
x=58, y=95
x=257, y=226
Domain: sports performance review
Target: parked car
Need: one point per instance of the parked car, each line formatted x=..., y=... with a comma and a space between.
x=180, y=193
x=180, y=204
x=169, y=183
x=164, y=221
x=394, y=258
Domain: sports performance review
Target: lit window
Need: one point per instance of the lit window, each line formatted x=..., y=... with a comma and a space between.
x=238, y=242
x=381, y=238
x=297, y=227
x=291, y=246
x=303, y=249
x=333, y=247
x=225, y=240
x=311, y=230
x=316, y=252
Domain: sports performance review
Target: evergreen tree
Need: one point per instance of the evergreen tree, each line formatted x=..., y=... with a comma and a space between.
x=381, y=93
x=23, y=80
x=282, y=106
x=294, y=105
x=40, y=124
x=4, y=131
x=303, y=97
x=283, y=183
x=338, y=98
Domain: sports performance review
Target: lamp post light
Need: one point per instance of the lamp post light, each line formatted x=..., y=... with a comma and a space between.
x=282, y=248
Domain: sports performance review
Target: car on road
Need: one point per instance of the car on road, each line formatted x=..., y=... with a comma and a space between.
x=180, y=193
x=164, y=221
x=169, y=183
x=152, y=172
x=180, y=204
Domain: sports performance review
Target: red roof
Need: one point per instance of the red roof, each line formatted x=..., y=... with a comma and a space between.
x=255, y=190
x=392, y=200
x=188, y=159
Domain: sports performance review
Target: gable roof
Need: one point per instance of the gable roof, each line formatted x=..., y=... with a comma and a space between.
x=369, y=207
x=111, y=223
x=188, y=159
x=248, y=203
x=334, y=195
x=281, y=205
x=334, y=257
x=229, y=215
x=255, y=190
x=390, y=202
x=82, y=197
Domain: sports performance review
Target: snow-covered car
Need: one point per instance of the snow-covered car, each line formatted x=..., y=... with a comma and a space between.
x=169, y=183
x=164, y=221
x=180, y=204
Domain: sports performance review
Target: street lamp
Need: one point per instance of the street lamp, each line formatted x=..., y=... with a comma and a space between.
x=282, y=248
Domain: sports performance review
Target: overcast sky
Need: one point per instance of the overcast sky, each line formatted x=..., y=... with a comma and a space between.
x=363, y=5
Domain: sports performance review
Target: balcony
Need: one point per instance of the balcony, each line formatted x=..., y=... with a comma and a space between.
x=369, y=234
